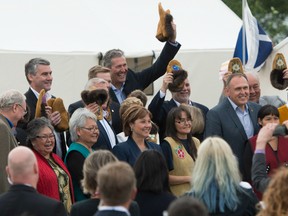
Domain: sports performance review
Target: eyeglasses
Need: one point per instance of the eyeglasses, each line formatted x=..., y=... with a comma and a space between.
x=24, y=110
x=184, y=121
x=44, y=138
x=92, y=129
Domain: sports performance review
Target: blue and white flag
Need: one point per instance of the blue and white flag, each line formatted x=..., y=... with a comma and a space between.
x=258, y=45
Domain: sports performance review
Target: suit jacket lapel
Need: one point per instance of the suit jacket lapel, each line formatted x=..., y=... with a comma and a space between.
x=235, y=119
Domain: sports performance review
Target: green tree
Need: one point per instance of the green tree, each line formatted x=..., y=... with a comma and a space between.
x=272, y=16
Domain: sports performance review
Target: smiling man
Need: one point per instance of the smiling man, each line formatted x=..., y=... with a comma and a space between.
x=124, y=80
x=39, y=76
x=235, y=118
x=160, y=108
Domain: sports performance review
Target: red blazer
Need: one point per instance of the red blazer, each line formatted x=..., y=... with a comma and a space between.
x=48, y=182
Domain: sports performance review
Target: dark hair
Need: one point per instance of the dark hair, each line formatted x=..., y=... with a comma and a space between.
x=267, y=110
x=34, y=127
x=151, y=172
x=140, y=95
x=185, y=206
x=171, y=131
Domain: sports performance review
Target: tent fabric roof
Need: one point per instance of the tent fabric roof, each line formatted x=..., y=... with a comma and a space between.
x=94, y=25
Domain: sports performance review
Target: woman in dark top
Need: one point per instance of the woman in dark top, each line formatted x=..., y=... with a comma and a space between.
x=216, y=181
x=137, y=125
x=153, y=192
x=84, y=134
x=92, y=164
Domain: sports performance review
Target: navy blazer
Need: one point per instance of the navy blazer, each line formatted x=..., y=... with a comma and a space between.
x=21, y=135
x=160, y=109
x=128, y=151
x=25, y=200
x=223, y=121
x=141, y=80
x=110, y=213
x=114, y=107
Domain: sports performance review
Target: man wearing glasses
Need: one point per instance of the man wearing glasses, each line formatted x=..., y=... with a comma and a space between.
x=12, y=109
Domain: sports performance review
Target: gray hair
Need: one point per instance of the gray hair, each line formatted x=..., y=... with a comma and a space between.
x=35, y=126
x=31, y=66
x=93, y=82
x=10, y=97
x=109, y=55
x=78, y=120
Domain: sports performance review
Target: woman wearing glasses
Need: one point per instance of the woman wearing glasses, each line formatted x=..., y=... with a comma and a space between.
x=54, y=178
x=180, y=149
x=84, y=134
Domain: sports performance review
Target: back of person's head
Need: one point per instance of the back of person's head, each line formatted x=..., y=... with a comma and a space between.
x=11, y=97
x=267, y=110
x=91, y=166
x=198, y=122
x=127, y=103
x=111, y=54
x=139, y=94
x=187, y=206
x=22, y=166
x=116, y=183
x=151, y=172
x=216, y=174
x=275, y=198
x=31, y=66
x=130, y=115
x=93, y=71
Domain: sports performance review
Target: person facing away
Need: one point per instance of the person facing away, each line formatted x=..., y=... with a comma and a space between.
x=12, y=110
x=153, y=192
x=92, y=164
x=124, y=80
x=117, y=188
x=216, y=181
x=235, y=118
x=22, y=197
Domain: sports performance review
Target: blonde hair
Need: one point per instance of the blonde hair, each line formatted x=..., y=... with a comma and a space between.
x=275, y=197
x=198, y=122
x=91, y=166
x=127, y=103
x=216, y=172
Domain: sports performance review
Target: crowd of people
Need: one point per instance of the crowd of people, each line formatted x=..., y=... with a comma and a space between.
x=118, y=155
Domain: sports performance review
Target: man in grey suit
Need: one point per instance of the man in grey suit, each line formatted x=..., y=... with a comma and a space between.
x=12, y=109
x=22, y=197
x=235, y=118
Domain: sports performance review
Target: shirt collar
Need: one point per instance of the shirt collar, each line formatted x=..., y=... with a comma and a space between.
x=48, y=95
x=235, y=106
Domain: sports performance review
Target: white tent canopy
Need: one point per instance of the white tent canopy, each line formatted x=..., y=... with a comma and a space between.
x=71, y=33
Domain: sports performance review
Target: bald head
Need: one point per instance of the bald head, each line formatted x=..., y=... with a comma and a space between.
x=22, y=166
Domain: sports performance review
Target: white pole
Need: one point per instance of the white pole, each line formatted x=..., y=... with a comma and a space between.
x=243, y=33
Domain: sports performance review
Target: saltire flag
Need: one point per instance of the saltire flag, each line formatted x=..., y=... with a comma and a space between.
x=258, y=45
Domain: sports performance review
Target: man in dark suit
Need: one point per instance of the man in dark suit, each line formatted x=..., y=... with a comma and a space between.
x=160, y=108
x=98, y=71
x=117, y=188
x=39, y=76
x=22, y=197
x=107, y=137
x=124, y=80
x=235, y=118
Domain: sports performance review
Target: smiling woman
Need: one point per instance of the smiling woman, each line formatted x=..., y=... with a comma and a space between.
x=137, y=125
x=84, y=134
x=54, y=178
